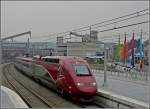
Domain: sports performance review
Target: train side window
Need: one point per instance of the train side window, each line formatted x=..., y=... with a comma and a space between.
x=52, y=60
x=45, y=60
x=56, y=60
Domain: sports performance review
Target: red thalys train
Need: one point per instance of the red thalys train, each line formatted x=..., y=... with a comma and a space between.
x=71, y=75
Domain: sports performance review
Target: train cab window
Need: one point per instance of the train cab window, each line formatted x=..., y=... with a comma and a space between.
x=81, y=70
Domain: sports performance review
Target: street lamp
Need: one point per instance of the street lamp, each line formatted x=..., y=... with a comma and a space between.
x=105, y=64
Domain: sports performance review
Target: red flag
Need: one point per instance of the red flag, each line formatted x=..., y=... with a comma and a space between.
x=132, y=50
x=124, y=54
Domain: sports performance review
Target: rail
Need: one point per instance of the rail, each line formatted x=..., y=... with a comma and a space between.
x=21, y=90
x=103, y=98
x=17, y=85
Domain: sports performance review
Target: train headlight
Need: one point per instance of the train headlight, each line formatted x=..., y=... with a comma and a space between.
x=93, y=84
x=80, y=84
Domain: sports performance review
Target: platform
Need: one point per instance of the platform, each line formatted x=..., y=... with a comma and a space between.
x=9, y=99
x=131, y=89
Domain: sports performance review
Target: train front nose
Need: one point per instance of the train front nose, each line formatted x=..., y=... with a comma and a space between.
x=87, y=89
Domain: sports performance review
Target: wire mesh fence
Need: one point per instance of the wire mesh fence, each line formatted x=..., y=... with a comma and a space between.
x=128, y=73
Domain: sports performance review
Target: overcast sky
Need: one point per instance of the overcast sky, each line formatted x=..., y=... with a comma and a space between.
x=47, y=17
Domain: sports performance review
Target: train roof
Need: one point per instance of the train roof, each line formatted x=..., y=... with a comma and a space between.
x=25, y=58
x=62, y=57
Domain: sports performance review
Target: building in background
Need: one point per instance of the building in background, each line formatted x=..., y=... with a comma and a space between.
x=42, y=48
x=61, y=47
x=92, y=37
x=89, y=47
x=11, y=49
x=59, y=40
x=81, y=49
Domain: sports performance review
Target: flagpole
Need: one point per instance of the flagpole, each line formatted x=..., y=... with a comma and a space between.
x=118, y=50
x=125, y=49
x=140, y=51
x=132, y=50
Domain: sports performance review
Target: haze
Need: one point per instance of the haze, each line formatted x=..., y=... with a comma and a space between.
x=47, y=17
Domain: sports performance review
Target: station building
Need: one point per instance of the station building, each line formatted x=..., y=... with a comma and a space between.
x=89, y=46
x=10, y=49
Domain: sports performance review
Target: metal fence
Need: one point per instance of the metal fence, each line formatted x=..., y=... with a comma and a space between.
x=132, y=74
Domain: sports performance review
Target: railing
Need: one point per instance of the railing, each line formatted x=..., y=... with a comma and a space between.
x=126, y=73
x=112, y=100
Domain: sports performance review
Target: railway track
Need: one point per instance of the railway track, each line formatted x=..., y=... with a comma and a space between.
x=90, y=105
x=28, y=95
x=32, y=97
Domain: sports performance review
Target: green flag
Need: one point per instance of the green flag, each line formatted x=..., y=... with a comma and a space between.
x=119, y=50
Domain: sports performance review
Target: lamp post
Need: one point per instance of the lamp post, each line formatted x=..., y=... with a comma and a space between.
x=105, y=65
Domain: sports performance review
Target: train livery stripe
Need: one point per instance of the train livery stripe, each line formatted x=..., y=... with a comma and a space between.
x=60, y=78
x=47, y=72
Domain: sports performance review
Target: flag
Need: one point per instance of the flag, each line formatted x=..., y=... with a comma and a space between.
x=141, y=51
x=124, y=51
x=118, y=50
x=132, y=50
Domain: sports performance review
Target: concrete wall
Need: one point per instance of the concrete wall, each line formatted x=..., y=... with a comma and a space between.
x=117, y=101
x=80, y=49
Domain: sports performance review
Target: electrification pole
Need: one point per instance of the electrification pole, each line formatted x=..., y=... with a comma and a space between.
x=28, y=46
x=105, y=65
x=11, y=37
x=0, y=50
x=90, y=31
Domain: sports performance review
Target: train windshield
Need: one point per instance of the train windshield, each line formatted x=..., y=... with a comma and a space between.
x=81, y=70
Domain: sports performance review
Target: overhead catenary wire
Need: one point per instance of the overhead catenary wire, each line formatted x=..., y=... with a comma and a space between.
x=124, y=26
x=115, y=22
x=122, y=20
x=122, y=40
x=109, y=38
x=128, y=33
x=106, y=21
x=110, y=29
x=60, y=40
x=122, y=16
x=110, y=20
x=129, y=37
x=55, y=37
x=135, y=13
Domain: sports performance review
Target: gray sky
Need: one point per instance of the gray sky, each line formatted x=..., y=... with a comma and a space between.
x=47, y=17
